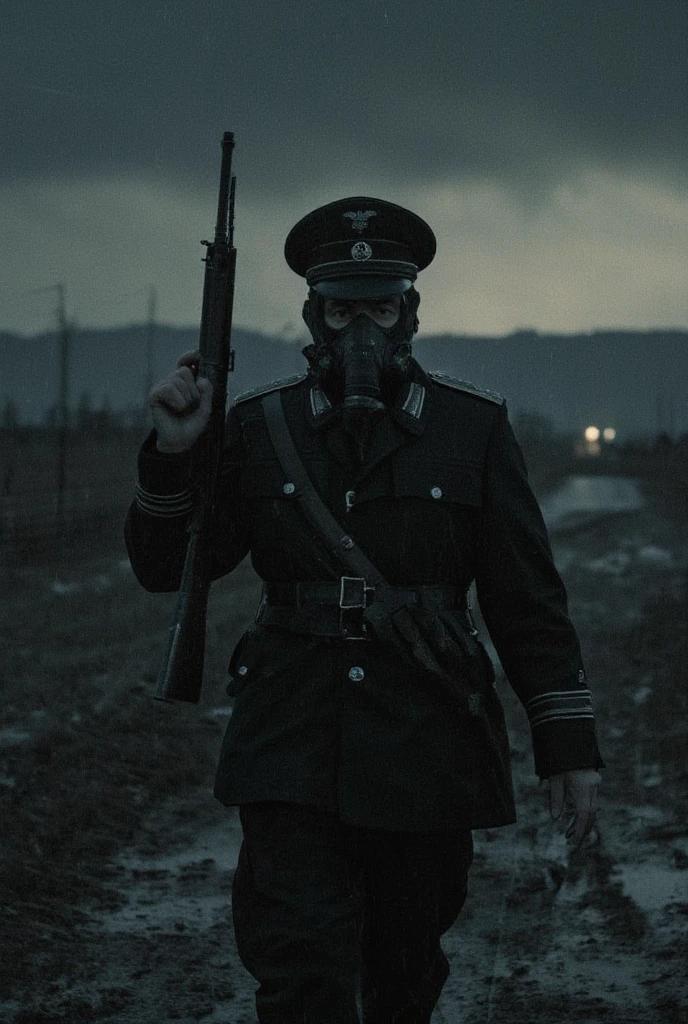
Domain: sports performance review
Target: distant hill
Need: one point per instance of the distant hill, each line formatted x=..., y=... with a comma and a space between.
x=633, y=381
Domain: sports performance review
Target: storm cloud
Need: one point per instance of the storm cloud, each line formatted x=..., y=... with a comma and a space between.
x=120, y=107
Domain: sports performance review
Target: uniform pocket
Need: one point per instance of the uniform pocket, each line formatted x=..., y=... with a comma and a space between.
x=440, y=482
x=242, y=662
x=265, y=478
x=265, y=655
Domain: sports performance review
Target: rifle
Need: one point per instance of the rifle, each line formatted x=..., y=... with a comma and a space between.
x=181, y=673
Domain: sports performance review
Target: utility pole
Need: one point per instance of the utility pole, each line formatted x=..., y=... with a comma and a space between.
x=150, y=341
x=660, y=412
x=63, y=400
x=671, y=409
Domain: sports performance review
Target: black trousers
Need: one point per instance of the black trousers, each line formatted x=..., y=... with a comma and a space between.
x=327, y=914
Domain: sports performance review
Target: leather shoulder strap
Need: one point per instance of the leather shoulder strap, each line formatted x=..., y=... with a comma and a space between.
x=465, y=385
x=339, y=543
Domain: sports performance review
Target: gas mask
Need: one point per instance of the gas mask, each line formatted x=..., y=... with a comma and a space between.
x=363, y=364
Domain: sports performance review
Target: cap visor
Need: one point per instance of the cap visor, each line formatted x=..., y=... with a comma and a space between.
x=363, y=287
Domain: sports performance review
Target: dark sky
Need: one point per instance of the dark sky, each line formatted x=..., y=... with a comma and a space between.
x=544, y=140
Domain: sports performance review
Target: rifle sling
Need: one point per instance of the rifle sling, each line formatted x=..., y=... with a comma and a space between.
x=339, y=543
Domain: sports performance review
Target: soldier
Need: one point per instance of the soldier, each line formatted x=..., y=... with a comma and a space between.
x=367, y=738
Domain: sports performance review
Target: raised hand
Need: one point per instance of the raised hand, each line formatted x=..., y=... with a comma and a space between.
x=181, y=405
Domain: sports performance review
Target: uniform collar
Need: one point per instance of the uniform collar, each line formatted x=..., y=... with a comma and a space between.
x=319, y=409
x=411, y=409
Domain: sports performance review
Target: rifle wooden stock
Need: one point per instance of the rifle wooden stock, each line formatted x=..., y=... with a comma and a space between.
x=181, y=673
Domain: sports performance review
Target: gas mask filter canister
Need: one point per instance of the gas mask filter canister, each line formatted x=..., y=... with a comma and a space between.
x=360, y=363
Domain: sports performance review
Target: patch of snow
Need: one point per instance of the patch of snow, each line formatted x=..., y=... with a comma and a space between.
x=62, y=589
x=95, y=584
x=649, y=813
x=11, y=737
x=648, y=775
x=585, y=495
x=224, y=711
x=652, y=886
x=655, y=556
x=613, y=564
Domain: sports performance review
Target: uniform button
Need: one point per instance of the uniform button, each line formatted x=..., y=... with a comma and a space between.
x=289, y=488
x=350, y=498
x=436, y=492
x=242, y=670
x=347, y=543
x=356, y=674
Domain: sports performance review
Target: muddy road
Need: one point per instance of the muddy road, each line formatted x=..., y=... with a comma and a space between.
x=117, y=862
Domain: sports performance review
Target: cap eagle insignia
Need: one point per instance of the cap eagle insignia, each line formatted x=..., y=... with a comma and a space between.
x=359, y=218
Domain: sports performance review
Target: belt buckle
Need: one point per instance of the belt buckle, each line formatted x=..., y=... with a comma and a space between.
x=353, y=591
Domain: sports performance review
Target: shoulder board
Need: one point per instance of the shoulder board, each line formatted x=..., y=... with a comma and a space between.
x=465, y=385
x=274, y=385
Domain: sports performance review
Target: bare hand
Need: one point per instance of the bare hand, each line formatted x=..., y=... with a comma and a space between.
x=181, y=405
x=575, y=792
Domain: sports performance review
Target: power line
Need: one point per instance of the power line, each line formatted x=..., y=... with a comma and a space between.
x=63, y=400
x=150, y=342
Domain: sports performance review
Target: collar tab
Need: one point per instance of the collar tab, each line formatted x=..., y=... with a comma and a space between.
x=411, y=409
x=320, y=408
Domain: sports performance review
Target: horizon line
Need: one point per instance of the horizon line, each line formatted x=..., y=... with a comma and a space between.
x=516, y=332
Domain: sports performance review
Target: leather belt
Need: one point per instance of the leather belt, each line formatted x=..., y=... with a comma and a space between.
x=353, y=592
x=335, y=608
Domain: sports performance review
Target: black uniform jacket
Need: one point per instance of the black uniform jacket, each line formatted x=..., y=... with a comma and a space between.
x=342, y=724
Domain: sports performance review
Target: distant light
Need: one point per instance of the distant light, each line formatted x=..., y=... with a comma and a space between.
x=609, y=433
x=592, y=433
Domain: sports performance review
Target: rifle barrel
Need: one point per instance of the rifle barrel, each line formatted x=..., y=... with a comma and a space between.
x=181, y=673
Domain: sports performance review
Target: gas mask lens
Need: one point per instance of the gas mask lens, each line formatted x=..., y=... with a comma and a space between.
x=384, y=312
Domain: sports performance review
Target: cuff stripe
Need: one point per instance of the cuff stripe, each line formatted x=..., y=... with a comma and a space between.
x=164, y=505
x=558, y=705
x=559, y=716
